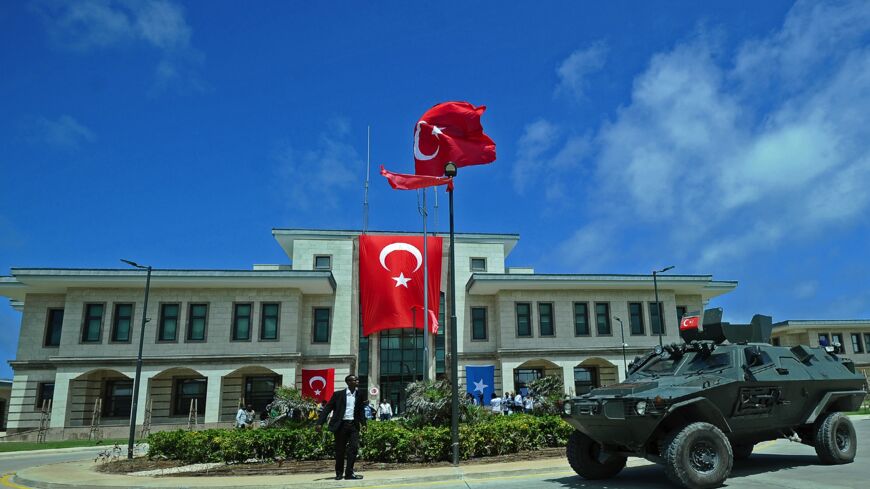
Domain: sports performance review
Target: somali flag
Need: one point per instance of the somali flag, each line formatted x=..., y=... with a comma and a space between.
x=480, y=380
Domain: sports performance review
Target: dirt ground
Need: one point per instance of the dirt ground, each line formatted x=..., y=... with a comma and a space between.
x=295, y=467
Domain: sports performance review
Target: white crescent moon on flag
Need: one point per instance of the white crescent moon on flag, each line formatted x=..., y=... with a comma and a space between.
x=417, y=153
x=400, y=247
x=317, y=377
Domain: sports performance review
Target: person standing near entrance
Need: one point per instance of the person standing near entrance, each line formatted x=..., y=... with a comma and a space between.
x=385, y=411
x=348, y=417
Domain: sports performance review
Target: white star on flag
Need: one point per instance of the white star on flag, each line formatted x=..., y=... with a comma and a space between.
x=402, y=280
x=436, y=131
x=316, y=392
x=480, y=386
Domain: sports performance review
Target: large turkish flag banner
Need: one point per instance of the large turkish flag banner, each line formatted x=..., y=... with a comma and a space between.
x=318, y=384
x=391, y=282
x=451, y=131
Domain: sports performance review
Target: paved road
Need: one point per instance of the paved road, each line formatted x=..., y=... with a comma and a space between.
x=779, y=464
x=15, y=461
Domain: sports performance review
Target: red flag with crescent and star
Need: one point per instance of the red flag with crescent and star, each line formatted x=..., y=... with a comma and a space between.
x=451, y=131
x=391, y=282
x=318, y=384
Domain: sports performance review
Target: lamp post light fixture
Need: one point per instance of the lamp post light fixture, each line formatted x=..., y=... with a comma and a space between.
x=622, y=332
x=138, y=377
x=659, y=304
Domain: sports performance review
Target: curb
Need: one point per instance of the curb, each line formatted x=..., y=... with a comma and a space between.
x=304, y=481
x=21, y=453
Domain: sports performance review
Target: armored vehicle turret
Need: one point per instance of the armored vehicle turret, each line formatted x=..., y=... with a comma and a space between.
x=696, y=407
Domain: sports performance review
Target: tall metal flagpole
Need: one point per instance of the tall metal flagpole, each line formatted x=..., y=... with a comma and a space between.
x=368, y=171
x=425, y=212
x=450, y=171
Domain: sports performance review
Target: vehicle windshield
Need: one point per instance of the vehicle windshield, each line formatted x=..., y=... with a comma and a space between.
x=661, y=366
x=713, y=361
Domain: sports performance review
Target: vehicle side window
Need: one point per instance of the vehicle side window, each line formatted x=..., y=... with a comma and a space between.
x=756, y=357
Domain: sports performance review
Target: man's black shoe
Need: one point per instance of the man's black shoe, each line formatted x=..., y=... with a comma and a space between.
x=353, y=477
x=338, y=477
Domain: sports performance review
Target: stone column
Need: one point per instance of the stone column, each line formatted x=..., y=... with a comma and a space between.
x=60, y=403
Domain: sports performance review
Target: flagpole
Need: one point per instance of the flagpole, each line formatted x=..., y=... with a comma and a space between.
x=368, y=172
x=450, y=171
x=425, y=212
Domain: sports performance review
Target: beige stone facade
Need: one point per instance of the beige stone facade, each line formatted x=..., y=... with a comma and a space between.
x=852, y=335
x=87, y=370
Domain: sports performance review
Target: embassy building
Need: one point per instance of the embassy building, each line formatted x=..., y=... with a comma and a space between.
x=218, y=338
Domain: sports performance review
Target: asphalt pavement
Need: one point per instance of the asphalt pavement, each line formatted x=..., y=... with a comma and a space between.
x=777, y=464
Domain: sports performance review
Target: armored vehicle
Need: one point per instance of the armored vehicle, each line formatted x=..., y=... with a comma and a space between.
x=696, y=407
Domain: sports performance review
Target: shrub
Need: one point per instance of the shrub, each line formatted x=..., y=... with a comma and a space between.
x=384, y=441
x=548, y=391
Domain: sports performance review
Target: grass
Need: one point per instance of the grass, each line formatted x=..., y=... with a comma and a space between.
x=21, y=446
x=863, y=410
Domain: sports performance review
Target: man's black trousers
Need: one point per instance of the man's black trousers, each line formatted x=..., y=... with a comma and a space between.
x=346, y=445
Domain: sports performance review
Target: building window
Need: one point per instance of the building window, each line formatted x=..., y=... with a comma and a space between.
x=242, y=322
x=478, y=264
x=260, y=391
x=857, y=347
x=187, y=390
x=53, y=326
x=524, y=319
x=602, y=318
x=523, y=376
x=837, y=339
x=867, y=339
x=321, y=325
x=197, y=317
x=478, y=323
x=681, y=311
x=44, y=394
x=655, y=318
x=168, y=330
x=581, y=319
x=93, y=323
x=269, y=321
x=119, y=398
x=635, y=318
x=776, y=342
x=585, y=379
x=323, y=262
x=823, y=339
x=122, y=319
x=545, y=318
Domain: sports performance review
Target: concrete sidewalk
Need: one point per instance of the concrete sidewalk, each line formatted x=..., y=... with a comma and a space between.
x=80, y=475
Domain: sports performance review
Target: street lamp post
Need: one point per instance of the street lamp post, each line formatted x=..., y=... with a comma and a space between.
x=138, y=377
x=659, y=304
x=622, y=332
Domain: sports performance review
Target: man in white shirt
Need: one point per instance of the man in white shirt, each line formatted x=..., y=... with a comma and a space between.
x=385, y=411
x=495, y=402
x=347, y=406
x=518, y=403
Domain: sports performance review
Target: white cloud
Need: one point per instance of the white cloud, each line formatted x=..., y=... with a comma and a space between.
x=590, y=247
x=574, y=71
x=87, y=25
x=542, y=161
x=64, y=132
x=806, y=289
x=319, y=178
x=734, y=148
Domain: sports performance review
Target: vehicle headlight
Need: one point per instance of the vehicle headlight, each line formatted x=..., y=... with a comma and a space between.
x=566, y=408
x=640, y=407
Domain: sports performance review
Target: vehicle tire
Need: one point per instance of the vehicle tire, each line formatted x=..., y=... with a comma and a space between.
x=742, y=451
x=835, y=438
x=584, y=456
x=698, y=456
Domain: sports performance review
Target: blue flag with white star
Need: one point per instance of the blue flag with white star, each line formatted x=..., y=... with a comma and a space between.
x=481, y=382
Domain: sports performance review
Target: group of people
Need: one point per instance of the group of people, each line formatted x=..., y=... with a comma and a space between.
x=245, y=417
x=510, y=404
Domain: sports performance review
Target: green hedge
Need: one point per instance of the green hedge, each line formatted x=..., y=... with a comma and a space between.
x=385, y=441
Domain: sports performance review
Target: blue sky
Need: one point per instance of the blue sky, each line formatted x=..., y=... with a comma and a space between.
x=728, y=138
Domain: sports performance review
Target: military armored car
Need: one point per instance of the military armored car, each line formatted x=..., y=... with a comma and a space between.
x=696, y=407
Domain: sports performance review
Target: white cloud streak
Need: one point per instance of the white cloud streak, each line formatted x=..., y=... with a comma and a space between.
x=64, y=132
x=575, y=70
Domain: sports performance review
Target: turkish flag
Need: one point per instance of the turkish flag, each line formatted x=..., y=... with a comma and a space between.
x=391, y=282
x=401, y=181
x=318, y=384
x=451, y=131
x=689, y=322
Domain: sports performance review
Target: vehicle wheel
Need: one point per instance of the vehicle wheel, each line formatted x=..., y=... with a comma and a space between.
x=742, y=451
x=835, y=438
x=698, y=456
x=584, y=455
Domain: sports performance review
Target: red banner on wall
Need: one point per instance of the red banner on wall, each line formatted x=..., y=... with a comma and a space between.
x=391, y=282
x=318, y=384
